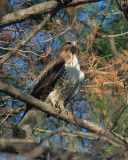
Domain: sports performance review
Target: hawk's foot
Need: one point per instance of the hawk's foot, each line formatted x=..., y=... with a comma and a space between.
x=70, y=113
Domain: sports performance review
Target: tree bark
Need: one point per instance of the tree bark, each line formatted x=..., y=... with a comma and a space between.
x=30, y=100
x=36, y=10
x=20, y=146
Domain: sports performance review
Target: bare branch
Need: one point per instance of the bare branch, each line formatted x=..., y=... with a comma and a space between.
x=113, y=36
x=38, y=150
x=23, y=146
x=63, y=115
x=98, y=28
x=121, y=4
x=3, y=4
x=24, y=41
x=36, y=10
x=81, y=134
x=116, y=52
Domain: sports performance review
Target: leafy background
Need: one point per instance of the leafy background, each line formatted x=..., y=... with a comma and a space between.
x=102, y=99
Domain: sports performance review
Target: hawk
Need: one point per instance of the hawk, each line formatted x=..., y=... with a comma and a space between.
x=59, y=82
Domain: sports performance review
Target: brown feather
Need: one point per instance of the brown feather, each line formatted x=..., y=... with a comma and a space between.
x=54, y=85
x=47, y=79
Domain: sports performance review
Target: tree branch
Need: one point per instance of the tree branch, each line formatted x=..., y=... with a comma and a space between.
x=55, y=8
x=30, y=100
x=36, y=10
x=20, y=146
x=3, y=4
x=113, y=36
x=24, y=41
x=89, y=46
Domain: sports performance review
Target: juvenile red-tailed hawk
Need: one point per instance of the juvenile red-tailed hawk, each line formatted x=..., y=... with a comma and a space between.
x=59, y=82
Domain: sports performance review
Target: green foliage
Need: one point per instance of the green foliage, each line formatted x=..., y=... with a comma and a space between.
x=21, y=71
x=106, y=112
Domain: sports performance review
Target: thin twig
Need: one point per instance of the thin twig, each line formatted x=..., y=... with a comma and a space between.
x=4, y=119
x=38, y=150
x=44, y=107
x=24, y=41
x=118, y=117
x=98, y=28
x=116, y=35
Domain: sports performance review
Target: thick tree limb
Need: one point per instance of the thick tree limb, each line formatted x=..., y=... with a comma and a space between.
x=24, y=41
x=33, y=150
x=30, y=100
x=16, y=145
x=3, y=4
x=82, y=135
x=19, y=146
x=36, y=10
x=54, y=9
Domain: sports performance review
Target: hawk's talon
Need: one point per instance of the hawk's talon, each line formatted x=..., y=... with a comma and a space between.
x=66, y=111
x=58, y=114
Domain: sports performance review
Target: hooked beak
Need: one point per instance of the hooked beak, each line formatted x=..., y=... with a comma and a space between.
x=74, y=44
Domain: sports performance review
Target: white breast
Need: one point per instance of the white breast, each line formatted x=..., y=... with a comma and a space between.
x=73, y=69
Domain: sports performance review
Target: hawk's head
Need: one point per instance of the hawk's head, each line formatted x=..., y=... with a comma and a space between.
x=73, y=46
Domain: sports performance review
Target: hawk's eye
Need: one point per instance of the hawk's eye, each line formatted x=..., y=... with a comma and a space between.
x=69, y=43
